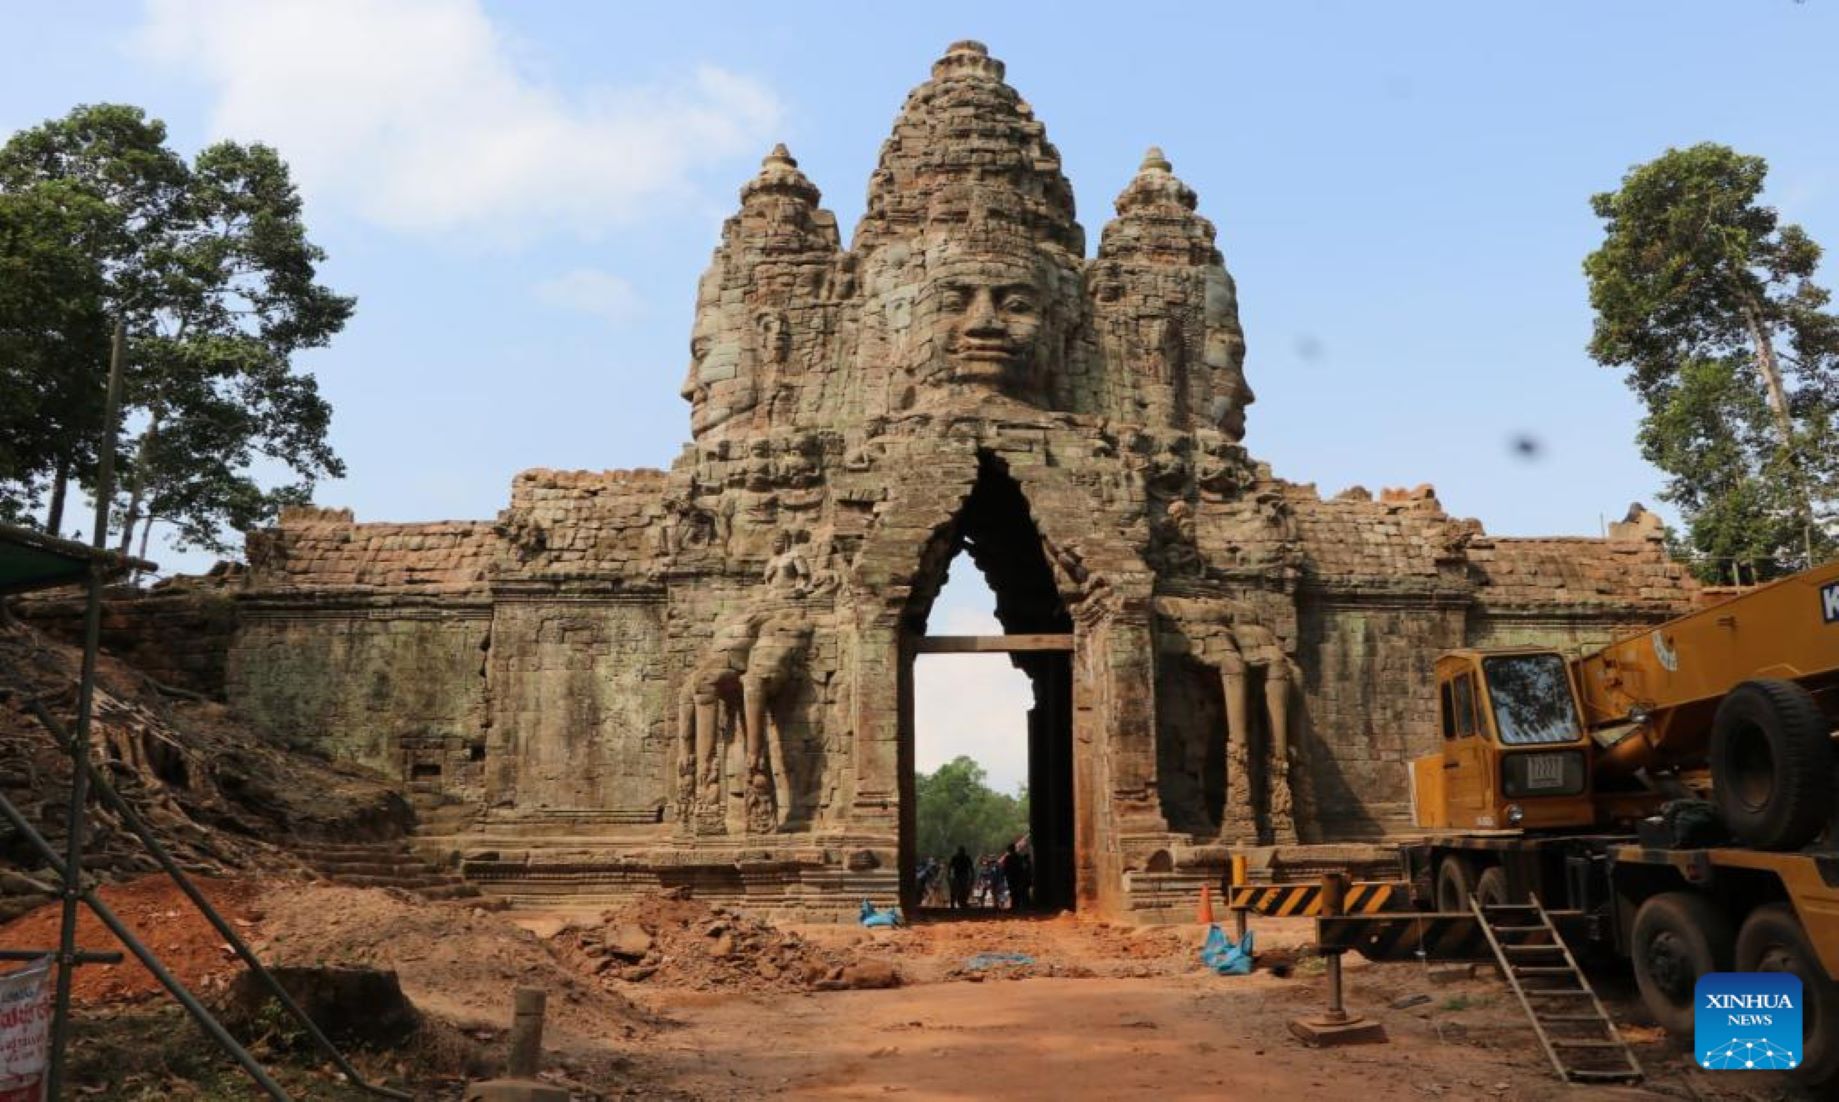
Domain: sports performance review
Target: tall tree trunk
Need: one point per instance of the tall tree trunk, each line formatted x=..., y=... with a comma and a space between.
x=146, y=532
x=143, y=453
x=60, y=484
x=1784, y=419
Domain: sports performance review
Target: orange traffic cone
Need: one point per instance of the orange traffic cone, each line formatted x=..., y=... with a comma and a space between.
x=1206, y=906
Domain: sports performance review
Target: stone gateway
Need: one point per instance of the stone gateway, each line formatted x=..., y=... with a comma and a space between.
x=703, y=677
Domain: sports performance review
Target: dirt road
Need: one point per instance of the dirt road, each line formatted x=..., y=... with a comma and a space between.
x=669, y=998
x=1141, y=1024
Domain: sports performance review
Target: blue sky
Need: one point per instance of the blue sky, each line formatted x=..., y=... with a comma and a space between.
x=521, y=196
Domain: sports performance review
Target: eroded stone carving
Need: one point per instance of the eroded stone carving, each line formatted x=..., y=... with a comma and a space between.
x=1264, y=774
x=749, y=663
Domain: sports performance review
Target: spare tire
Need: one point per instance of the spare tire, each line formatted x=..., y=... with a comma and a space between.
x=1772, y=764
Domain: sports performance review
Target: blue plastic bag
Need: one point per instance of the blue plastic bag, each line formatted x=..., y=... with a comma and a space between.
x=872, y=916
x=1225, y=957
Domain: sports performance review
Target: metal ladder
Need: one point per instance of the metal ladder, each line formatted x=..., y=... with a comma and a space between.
x=1576, y=1031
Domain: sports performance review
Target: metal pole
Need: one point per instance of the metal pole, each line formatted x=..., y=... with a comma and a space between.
x=133, y=822
x=1334, y=894
x=84, y=956
x=78, y=745
x=147, y=959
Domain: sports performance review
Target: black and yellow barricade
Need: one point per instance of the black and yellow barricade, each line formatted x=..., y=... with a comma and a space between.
x=1305, y=900
x=1451, y=937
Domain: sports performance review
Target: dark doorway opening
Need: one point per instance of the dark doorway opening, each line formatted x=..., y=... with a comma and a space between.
x=995, y=530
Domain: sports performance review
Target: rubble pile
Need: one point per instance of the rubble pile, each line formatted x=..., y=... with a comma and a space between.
x=456, y=961
x=672, y=940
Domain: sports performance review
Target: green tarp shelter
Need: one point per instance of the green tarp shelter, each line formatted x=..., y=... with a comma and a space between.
x=32, y=560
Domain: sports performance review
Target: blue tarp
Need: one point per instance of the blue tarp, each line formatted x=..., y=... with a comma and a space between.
x=990, y=960
x=872, y=916
x=1224, y=957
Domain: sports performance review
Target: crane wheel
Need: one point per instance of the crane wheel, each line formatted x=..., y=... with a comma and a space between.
x=1678, y=937
x=1774, y=941
x=1772, y=764
x=1455, y=883
x=1491, y=888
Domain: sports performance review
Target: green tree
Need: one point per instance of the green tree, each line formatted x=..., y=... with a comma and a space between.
x=1707, y=300
x=53, y=333
x=209, y=268
x=956, y=807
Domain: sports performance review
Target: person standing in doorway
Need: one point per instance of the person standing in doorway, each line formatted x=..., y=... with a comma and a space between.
x=961, y=870
x=1018, y=873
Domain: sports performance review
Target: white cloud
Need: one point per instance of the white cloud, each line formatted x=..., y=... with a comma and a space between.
x=971, y=704
x=415, y=114
x=592, y=291
x=975, y=705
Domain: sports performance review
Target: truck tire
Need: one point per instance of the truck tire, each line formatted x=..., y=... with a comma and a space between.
x=1773, y=940
x=1491, y=888
x=1455, y=883
x=1678, y=937
x=1772, y=764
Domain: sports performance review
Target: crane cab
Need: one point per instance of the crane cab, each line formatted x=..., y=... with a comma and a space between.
x=1514, y=751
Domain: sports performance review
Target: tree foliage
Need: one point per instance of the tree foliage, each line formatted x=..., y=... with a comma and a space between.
x=957, y=808
x=1708, y=301
x=208, y=267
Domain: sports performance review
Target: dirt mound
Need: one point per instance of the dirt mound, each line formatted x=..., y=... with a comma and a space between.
x=165, y=921
x=671, y=940
x=454, y=961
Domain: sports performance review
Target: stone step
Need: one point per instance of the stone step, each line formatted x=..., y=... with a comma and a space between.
x=410, y=883
x=444, y=821
x=387, y=864
x=374, y=853
x=461, y=890
x=344, y=867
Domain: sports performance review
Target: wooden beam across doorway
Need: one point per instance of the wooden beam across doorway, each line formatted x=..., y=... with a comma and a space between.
x=990, y=644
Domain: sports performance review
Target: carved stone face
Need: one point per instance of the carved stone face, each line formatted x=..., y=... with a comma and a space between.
x=986, y=317
x=1231, y=418
x=719, y=384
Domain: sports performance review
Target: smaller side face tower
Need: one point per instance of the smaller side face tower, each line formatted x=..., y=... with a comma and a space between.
x=1164, y=304
x=764, y=307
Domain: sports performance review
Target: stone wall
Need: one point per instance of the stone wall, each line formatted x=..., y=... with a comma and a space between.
x=179, y=635
x=391, y=687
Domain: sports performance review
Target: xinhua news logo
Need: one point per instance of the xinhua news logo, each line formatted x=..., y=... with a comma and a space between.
x=1748, y=1021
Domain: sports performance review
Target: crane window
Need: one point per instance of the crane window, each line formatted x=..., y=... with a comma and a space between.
x=1532, y=699
x=1463, y=689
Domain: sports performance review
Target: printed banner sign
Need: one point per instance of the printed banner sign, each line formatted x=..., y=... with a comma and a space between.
x=1748, y=1021
x=25, y=1032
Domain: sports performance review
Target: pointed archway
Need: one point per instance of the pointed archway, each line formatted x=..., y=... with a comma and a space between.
x=994, y=529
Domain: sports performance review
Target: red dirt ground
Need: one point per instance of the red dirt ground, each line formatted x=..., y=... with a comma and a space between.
x=164, y=920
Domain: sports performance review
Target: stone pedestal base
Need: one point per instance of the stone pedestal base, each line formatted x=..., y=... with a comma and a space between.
x=1324, y=1031
x=514, y=1090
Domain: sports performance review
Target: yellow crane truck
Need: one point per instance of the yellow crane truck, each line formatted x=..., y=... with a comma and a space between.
x=1591, y=783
